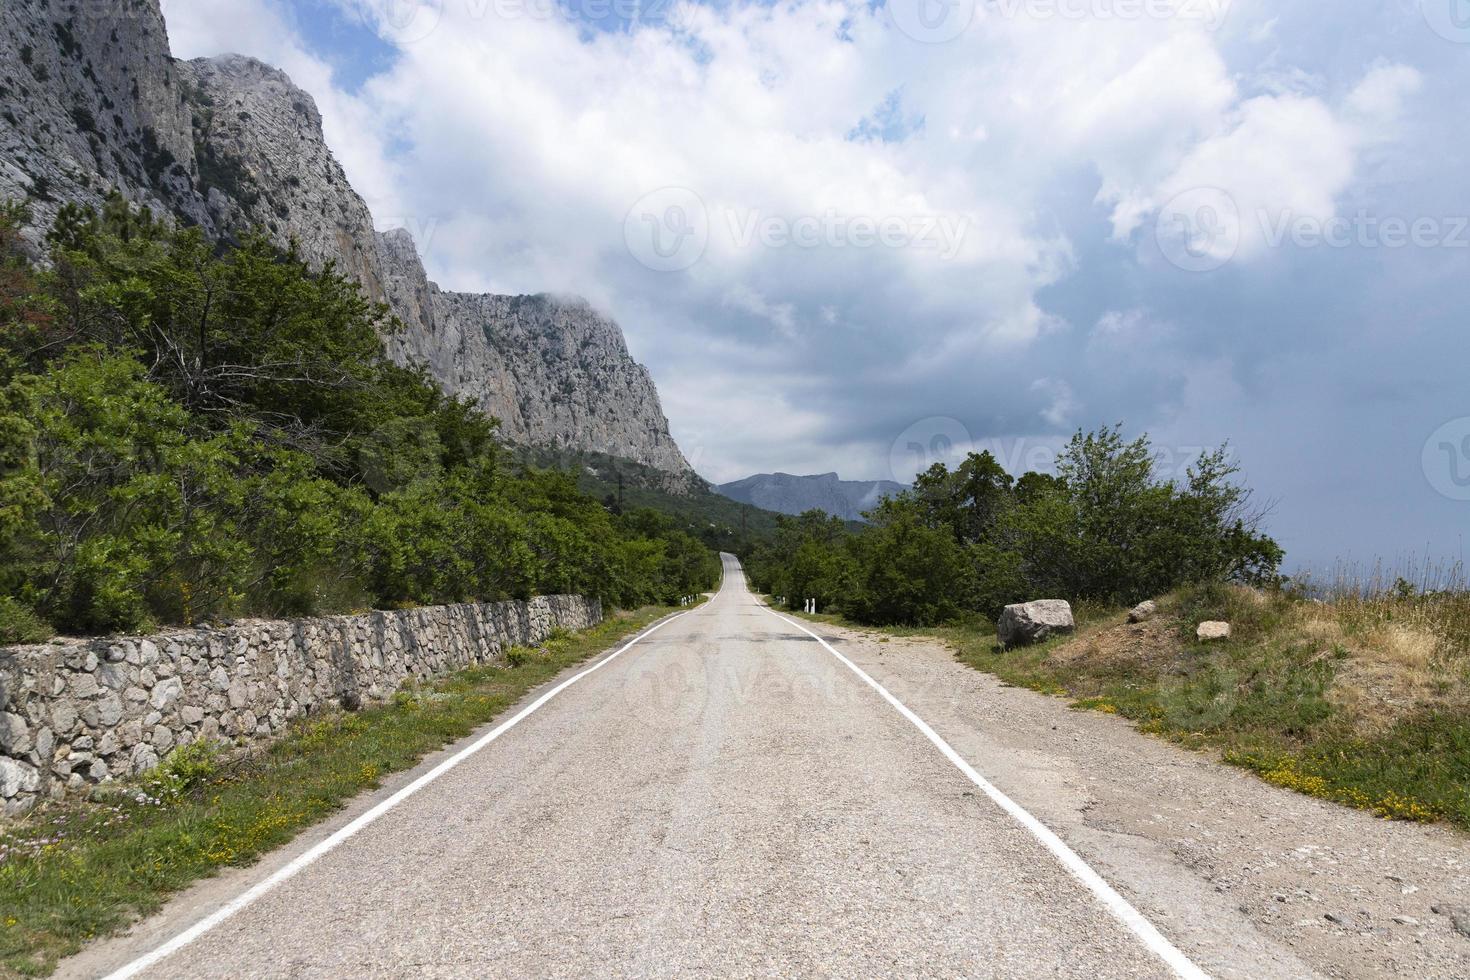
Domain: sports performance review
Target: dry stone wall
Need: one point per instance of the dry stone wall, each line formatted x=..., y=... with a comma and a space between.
x=76, y=713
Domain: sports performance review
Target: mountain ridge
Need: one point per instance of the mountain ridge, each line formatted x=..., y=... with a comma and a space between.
x=786, y=493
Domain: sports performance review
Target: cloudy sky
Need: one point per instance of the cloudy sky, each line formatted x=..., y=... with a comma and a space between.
x=849, y=236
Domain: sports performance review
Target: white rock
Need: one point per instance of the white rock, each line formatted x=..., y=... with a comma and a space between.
x=109, y=710
x=1145, y=610
x=144, y=758
x=15, y=734
x=64, y=717
x=166, y=692
x=1212, y=630
x=17, y=777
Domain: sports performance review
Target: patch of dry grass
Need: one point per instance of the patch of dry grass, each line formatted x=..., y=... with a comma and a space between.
x=1363, y=699
x=1405, y=654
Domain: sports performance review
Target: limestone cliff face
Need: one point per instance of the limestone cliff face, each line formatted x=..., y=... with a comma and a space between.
x=556, y=372
x=94, y=102
x=91, y=103
x=263, y=163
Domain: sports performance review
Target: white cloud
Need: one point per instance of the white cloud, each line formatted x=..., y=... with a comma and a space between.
x=782, y=316
x=523, y=141
x=1376, y=103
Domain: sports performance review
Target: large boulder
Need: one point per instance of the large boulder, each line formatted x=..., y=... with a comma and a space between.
x=1031, y=622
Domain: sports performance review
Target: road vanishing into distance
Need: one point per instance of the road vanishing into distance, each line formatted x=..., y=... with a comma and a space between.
x=728, y=794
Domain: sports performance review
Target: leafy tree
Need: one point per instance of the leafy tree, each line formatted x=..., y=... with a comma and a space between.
x=910, y=572
x=187, y=433
x=970, y=501
x=1105, y=527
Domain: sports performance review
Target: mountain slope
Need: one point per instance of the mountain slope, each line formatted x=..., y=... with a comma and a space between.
x=787, y=494
x=96, y=103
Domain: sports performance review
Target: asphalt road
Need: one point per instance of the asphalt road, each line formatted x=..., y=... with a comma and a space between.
x=725, y=797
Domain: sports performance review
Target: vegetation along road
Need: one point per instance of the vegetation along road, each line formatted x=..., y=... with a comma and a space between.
x=733, y=792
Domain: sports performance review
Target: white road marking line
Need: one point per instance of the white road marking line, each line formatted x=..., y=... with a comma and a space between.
x=251, y=895
x=1115, y=903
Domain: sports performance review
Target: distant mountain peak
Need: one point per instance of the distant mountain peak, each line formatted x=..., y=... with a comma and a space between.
x=788, y=494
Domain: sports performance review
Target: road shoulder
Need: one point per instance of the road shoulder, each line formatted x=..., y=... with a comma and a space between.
x=1237, y=871
x=206, y=896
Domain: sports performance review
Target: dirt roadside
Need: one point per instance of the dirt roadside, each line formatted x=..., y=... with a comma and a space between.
x=1310, y=887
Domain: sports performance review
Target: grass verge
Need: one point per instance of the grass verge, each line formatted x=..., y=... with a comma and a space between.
x=74, y=871
x=1367, y=705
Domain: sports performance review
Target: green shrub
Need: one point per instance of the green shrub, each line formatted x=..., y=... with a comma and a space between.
x=20, y=624
x=187, y=435
x=186, y=768
x=1105, y=529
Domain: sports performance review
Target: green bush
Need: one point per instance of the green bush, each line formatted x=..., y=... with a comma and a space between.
x=186, y=768
x=20, y=624
x=187, y=435
x=1104, y=529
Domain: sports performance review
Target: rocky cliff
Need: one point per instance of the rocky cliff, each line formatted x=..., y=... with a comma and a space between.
x=555, y=371
x=94, y=103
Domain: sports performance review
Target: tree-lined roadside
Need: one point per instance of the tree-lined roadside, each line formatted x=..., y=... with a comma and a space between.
x=191, y=432
x=1358, y=694
x=1107, y=527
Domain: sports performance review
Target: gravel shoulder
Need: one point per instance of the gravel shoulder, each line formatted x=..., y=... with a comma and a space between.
x=1250, y=879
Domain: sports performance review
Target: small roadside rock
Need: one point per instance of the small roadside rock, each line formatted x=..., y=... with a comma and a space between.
x=1349, y=920
x=1145, y=610
x=1212, y=630
x=1406, y=920
x=1459, y=917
